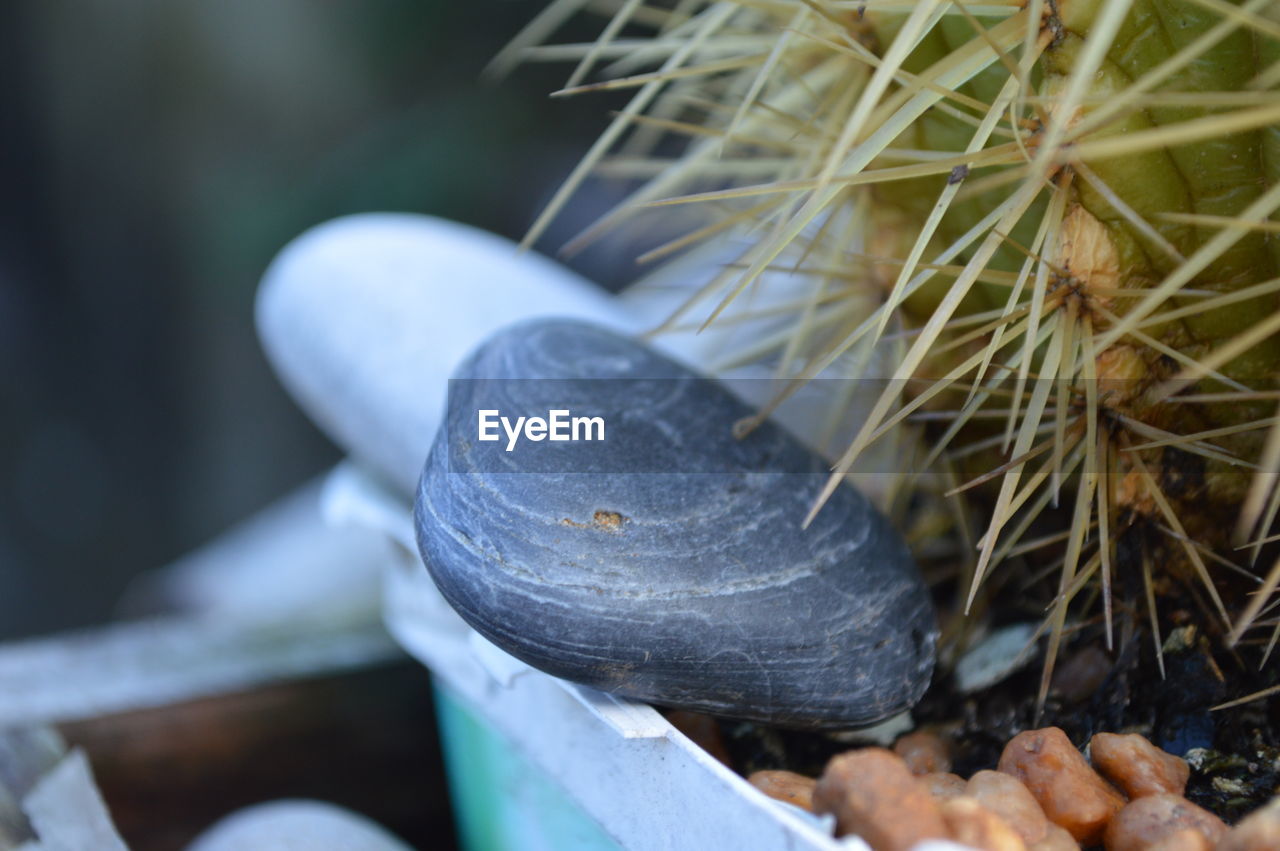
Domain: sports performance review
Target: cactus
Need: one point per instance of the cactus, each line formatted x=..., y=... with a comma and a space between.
x=1060, y=213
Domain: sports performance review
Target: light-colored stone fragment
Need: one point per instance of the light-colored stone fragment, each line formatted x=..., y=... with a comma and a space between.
x=994, y=657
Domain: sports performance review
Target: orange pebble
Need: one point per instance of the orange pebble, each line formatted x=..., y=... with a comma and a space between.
x=1007, y=797
x=974, y=825
x=1146, y=821
x=1137, y=766
x=924, y=752
x=873, y=794
x=1186, y=839
x=944, y=785
x=703, y=730
x=785, y=786
x=1071, y=793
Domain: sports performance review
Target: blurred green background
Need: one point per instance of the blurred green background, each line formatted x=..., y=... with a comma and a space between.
x=153, y=158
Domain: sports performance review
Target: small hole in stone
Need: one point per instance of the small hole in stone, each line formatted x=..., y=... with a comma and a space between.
x=610, y=521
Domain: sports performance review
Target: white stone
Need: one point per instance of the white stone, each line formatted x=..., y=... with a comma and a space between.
x=883, y=734
x=365, y=317
x=994, y=657
x=296, y=826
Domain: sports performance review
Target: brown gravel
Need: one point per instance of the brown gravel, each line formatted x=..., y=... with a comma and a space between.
x=1069, y=791
x=1146, y=821
x=974, y=825
x=1007, y=797
x=1082, y=674
x=786, y=786
x=1259, y=832
x=1045, y=797
x=873, y=794
x=1137, y=766
x=1187, y=839
x=1057, y=839
x=924, y=752
x=704, y=730
x=944, y=785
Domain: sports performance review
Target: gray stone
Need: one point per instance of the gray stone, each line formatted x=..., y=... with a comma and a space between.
x=668, y=563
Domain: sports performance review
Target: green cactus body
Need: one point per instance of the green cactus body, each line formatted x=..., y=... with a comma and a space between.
x=1096, y=177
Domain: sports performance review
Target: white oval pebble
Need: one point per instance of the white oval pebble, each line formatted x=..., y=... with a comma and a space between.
x=994, y=657
x=296, y=826
x=365, y=317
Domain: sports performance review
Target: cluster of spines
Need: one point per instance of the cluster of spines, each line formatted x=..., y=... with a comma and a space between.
x=797, y=120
